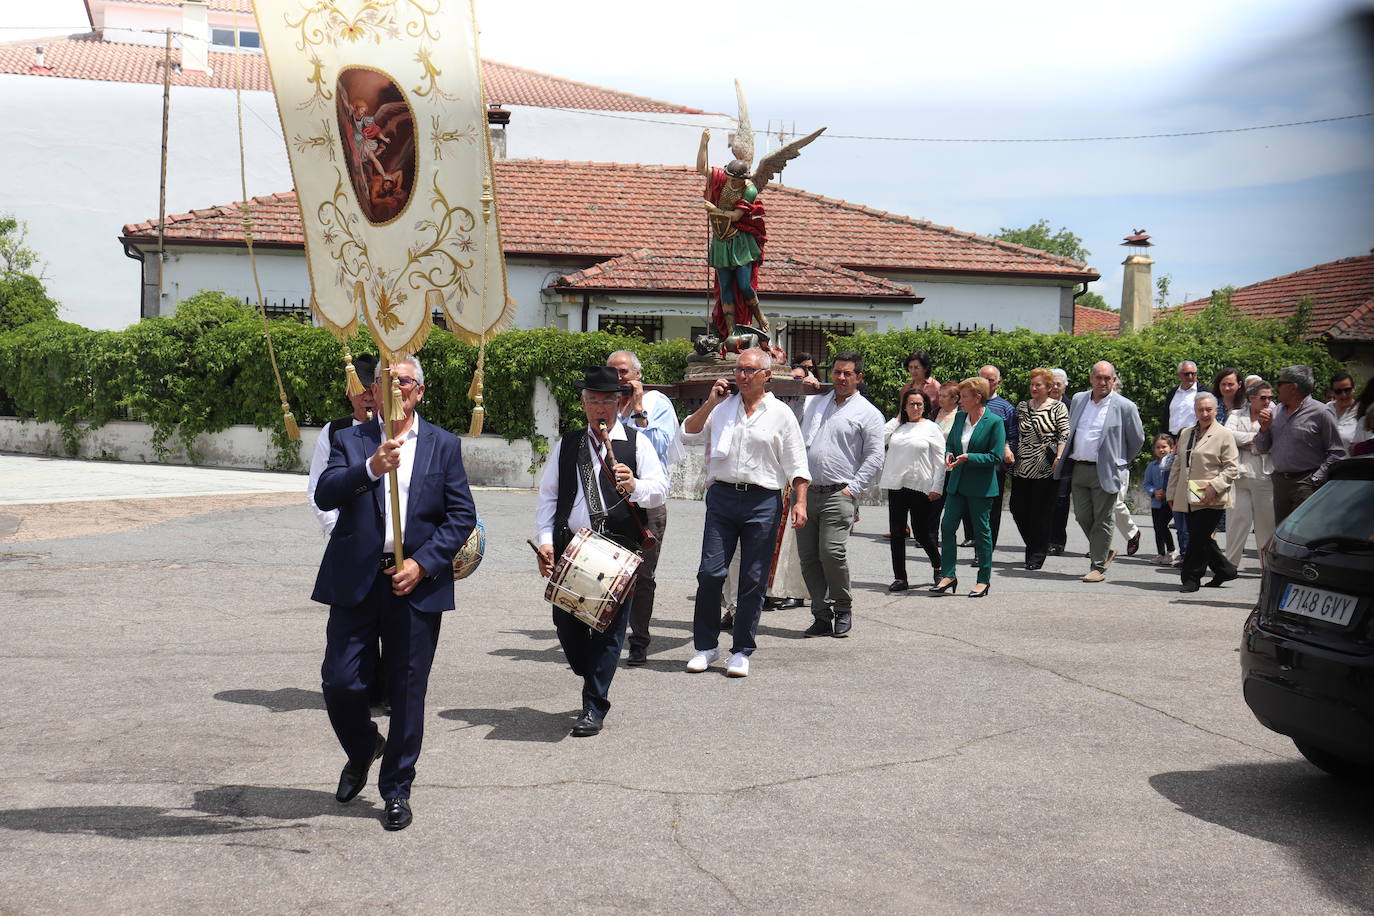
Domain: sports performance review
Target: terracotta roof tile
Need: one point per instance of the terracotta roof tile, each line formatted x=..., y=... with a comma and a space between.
x=644, y=271
x=603, y=210
x=89, y=57
x=1087, y=320
x=1342, y=294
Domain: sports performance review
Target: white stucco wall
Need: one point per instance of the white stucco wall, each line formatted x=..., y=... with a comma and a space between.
x=1029, y=304
x=189, y=270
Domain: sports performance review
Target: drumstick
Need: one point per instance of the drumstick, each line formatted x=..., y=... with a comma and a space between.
x=535, y=548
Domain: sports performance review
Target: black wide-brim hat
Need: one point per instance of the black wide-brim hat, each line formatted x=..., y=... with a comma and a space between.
x=365, y=364
x=603, y=378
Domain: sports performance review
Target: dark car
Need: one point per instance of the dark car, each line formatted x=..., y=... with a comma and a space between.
x=1307, y=656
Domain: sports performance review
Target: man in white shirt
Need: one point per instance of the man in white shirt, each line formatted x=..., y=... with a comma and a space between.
x=753, y=450
x=602, y=482
x=363, y=404
x=843, y=433
x=651, y=414
x=1178, y=413
x=1104, y=435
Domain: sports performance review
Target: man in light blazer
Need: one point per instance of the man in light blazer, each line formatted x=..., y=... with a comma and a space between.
x=1105, y=433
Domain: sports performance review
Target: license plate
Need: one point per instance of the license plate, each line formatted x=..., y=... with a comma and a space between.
x=1318, y=604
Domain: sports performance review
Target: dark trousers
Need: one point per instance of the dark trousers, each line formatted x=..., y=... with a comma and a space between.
x=1164, y=541
x=977, y=509
x=1059, y=524
x=1289, y=493
x=593, y=656
x=646, y=583
x=408, y=640
x=1032, y=508
x=910, y=508
x=747, y=520
x=1203, y=550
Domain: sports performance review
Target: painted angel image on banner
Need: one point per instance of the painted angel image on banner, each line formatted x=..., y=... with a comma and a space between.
x=378, y=128
x=738, y=233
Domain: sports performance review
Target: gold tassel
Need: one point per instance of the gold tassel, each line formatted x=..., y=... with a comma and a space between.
x=395, y=404
x=353, y=385
x=293, y=432
x=479, y=413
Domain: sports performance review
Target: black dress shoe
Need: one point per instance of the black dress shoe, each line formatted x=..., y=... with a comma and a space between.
x=1222, y=578
x=821, y=628
x=898, y=585
x=789, y=603
x=966, y=542
x=772, y=604
x=1056, y=550
x=587, y=724
x=638, y=657
x=1133, y=544
x=844, y=622
x=1189, y=587
x=397, y=815
x=354, y=778
x=727, y=622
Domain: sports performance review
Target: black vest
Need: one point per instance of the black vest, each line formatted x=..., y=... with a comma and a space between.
x=335, y=426
x=621, y=525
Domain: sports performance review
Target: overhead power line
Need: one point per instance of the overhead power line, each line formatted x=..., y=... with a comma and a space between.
x=1181, y=133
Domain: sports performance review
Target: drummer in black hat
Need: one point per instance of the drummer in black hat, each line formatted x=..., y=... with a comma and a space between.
x=597, y=478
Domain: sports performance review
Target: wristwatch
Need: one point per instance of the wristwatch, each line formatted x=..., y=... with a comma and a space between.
x=639, y=415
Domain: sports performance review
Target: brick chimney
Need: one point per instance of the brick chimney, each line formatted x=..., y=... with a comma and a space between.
x=1137, y=286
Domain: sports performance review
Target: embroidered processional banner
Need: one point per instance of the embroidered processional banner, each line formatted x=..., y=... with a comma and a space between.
x=382, y=110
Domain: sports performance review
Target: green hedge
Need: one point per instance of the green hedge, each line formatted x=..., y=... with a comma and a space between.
x=206, y=367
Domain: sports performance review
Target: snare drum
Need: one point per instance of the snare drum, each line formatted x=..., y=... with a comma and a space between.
x=592, y=578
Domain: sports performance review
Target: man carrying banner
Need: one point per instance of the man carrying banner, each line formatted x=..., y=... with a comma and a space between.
x=369, y=596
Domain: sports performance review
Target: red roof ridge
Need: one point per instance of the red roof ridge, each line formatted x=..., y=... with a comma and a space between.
x=936, y=227
x=682, y=109
x=1349, y=322
x=1198, y=302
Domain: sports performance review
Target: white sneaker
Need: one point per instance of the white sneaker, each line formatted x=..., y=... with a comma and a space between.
x=739, y=665
x=702, y=660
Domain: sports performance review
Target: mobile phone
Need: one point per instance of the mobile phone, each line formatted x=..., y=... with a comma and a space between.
x=731, y=388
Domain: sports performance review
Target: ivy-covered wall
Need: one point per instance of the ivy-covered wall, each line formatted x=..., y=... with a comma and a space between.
x=206, y=368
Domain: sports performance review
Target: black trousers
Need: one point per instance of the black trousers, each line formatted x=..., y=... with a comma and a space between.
x=1203, y=551
x=1032, y=508
x=1059, y=524
x=646, y=582
x=593, y=656
x=1164, y=539
x=904, y=505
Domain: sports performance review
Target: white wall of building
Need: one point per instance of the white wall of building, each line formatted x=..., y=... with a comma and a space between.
x=1006, y=305
x=189, y=270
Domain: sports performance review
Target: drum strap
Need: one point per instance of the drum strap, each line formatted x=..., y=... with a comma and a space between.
x=576, y=467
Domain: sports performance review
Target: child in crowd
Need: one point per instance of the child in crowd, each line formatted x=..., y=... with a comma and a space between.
x=1155, y=484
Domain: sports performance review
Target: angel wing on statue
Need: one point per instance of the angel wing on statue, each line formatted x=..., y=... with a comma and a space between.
x=735, y=215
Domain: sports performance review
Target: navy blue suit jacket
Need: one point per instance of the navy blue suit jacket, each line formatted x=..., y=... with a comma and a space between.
x=439, y=516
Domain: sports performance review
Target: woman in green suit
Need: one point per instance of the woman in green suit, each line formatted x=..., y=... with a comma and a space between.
x=975, y=448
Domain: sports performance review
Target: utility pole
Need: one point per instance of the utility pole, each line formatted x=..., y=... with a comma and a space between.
x=162, y=187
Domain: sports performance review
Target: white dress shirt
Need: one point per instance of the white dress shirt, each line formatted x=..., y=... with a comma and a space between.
x=403, y=470
x=915, y=457
x=318, y=461
x=765, y=449
x=1345, y=423
x=662, y=428
x=1087, y=439
x=1182, y=413
x=650, y=492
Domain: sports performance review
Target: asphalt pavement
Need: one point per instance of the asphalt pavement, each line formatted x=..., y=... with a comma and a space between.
x=1056, y=747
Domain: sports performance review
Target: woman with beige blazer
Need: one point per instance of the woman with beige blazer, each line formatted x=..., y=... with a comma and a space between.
x=1201, y=483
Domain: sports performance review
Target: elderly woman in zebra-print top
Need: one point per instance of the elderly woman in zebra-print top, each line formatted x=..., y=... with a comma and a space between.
x=1043, y=423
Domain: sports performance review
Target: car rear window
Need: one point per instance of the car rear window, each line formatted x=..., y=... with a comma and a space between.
x=1340, y=508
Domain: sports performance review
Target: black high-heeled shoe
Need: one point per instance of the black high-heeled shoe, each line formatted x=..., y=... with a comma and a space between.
x=982, y=594
x=950, y=586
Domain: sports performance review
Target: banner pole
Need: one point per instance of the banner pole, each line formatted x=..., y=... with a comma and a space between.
x=392, y=407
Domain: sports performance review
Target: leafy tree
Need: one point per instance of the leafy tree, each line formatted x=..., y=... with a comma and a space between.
x=1063, y=243
x=1094, y=301
x=1162, y=284
x=23, y=299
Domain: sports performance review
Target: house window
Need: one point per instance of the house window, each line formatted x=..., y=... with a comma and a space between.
x=225, y=38
x=649, y=327
x=814, y=337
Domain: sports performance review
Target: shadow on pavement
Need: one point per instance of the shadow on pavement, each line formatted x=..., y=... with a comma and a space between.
x=1324, y=822
x=519, y=724
x=217, y=811
x=285, y=699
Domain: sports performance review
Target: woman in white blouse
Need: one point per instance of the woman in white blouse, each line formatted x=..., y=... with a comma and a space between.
x=914, y=477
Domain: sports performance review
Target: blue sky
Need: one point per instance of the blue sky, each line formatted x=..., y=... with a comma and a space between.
x=1231, y=208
